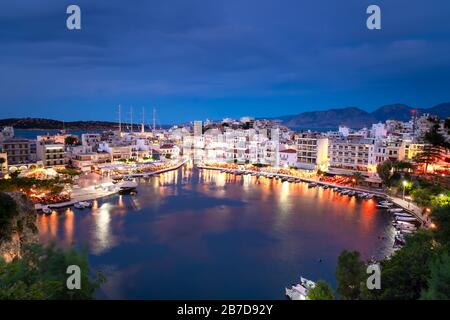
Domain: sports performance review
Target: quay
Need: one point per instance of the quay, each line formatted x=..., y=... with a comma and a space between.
x=92, y=192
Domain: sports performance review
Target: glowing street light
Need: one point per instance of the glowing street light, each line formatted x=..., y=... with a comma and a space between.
x=405, y=183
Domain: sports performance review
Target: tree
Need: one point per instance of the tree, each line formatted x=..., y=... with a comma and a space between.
x=350, y=273
x=322, y=291
x=441, y=217
x=434, y=137
x=71, y=141
x=41, y=274
x=405, y=275
x=384, y=171
x=399, y=165
x=357, y=177
x=439, y=282
x=430, y=154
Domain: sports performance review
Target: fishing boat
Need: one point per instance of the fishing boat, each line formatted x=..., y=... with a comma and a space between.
x=300, y=291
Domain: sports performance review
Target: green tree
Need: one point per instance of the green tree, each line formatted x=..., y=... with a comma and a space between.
x=430, y=154
x=71, y=141
x=405, y=275
x=357, y=177
x=439, y=282
x=384, y=171
x=41, y=274
x=322, y=291
x=350, y=274
x=441, y=217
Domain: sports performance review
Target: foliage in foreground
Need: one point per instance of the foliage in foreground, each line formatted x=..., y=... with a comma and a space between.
x=41, y=274
x=322, y=291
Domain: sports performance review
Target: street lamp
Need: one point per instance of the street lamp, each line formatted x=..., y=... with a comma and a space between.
x=405, y=183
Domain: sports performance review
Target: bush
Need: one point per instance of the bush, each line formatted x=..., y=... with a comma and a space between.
x=41, y=274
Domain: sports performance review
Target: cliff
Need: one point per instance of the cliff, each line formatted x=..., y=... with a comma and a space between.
x=17, y=224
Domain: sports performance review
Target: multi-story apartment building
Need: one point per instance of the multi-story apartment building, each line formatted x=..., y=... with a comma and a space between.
x=51, y=153
x=18, y=150
x=91, y=141
x=349, y=155
x=312, y=151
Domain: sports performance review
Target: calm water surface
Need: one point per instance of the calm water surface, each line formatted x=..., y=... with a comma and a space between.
x=200, y=234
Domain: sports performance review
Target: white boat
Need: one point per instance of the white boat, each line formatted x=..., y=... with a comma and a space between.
x=382, y=206
x=406, y=223
x=402, y=214
x=386, y=203
x=300, y=291
x=46, y=210
x=395, y=210
x=406, y=219
x=85, y=204
x=78, y=205
x=406, y=231
x=369, y=196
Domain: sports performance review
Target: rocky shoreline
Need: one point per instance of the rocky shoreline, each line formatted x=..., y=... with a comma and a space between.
x=23, y=228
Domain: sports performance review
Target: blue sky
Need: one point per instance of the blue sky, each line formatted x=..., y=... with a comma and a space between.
x=197, y=59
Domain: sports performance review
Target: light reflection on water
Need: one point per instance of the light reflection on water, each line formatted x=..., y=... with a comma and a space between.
x=205, y=234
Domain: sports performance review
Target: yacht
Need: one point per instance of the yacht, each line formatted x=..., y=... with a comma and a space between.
x=300, y=291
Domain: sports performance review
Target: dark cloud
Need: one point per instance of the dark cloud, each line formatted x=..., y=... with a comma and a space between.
x=210, y=58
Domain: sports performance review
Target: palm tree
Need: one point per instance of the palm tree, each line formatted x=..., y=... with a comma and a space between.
x=357, y=177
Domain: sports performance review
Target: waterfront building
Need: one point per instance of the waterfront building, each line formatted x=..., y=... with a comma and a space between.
x=17, y=150
x=348, y=156
x=50, y=153
x=312, y=151
x=287, y=158
x=169, y=150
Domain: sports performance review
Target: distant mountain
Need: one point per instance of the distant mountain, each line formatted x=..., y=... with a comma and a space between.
x=49, y=124
x=357, y=118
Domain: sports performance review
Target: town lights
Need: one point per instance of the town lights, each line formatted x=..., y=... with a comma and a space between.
x=405, y=183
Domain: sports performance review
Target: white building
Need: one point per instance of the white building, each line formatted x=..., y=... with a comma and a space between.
x=287, y=158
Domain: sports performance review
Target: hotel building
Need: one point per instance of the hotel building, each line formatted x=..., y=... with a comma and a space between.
x=312, y=151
